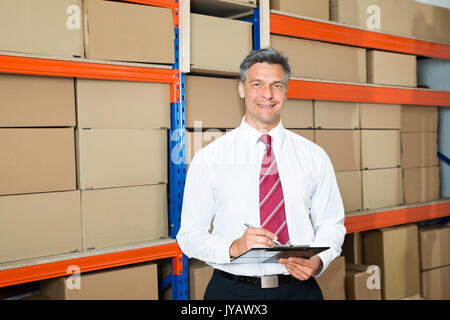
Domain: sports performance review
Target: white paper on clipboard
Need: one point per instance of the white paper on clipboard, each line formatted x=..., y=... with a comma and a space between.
x=272, y=254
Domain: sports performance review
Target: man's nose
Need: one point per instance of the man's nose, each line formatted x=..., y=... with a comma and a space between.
x=267, y=92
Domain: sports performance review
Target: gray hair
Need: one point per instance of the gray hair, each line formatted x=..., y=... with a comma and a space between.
x=268, y=55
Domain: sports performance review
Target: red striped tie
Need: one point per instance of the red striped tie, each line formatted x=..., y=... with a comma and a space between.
x=271, y=202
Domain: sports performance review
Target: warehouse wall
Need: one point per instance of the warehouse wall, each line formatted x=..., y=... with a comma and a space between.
x=441, y=3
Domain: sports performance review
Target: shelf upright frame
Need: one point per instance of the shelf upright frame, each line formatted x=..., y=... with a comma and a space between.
x=177, y=168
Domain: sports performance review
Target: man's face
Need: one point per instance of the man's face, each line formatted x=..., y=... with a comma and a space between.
x=265, y=93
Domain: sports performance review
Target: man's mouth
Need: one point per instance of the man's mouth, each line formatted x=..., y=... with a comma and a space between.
x=266, y=105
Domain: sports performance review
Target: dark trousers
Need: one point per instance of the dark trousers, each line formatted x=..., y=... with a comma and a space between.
x=222, y=288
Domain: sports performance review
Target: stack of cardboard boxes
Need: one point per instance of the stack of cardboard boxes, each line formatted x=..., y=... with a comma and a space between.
x=217, y=47
x=413, y=262
x=435, y=262
x=84, y=162
x=419, y=153
x=396, y=251
x=122, y=161
x=39, y=201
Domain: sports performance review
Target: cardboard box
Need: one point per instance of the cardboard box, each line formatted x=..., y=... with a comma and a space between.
x=396, y=251
x=199, y=276
x=297, y=114
x=213, y=102
x=37, y=160
x=39, y=224
x=353, y=248
x=382, y=188
x=421, y=184
x=110, y=33
x=336, y=115
x=434, y=243
x=360, y=282
x=117, y=216
x=121, y=157
x=332, y=280
x=388, y=68
x=400, y=17
x=350, y=185
x=380, y=149
x=343, y=147
x=35, y=101
x=219, y=44
x=419, y=118
x=380, y=116
x=419, y=149
x=135, y=282
x=47, y=27
x=377, y=15
x=320, y=60
x=104, y=104
x=318, y=9
x=308, y=134
x=436, y=283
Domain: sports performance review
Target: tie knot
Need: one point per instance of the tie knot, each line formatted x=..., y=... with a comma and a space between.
x=267, y=140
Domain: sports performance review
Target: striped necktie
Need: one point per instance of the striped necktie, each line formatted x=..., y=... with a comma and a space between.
x=271, y=202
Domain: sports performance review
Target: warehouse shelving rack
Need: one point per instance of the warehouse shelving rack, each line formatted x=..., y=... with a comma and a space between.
x=275, y=22
x=125, y=255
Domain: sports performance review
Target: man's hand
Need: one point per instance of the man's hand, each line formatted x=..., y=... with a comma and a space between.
x=302, y=269
x=252, y=237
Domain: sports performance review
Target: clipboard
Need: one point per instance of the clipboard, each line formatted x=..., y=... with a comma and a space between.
x=272, y=254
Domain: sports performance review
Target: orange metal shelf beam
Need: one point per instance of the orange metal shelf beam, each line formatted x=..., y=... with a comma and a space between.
x=396, y=217
x=157, y=3
x=171, y=4
x=103, y=261
x=315, y=90
x=61, y=68
x=322, y=31
x=75, y=69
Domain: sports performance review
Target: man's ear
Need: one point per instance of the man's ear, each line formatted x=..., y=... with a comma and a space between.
x=241, y=90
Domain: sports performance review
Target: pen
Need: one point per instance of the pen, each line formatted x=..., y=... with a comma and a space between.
x=250, y=226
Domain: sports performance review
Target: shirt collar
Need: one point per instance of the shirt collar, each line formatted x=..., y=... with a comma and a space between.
x=254, y=135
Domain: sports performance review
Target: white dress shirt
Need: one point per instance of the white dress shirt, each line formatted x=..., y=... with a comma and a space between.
x=222, y=187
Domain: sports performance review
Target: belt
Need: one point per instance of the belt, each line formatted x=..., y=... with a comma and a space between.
x=263, y=282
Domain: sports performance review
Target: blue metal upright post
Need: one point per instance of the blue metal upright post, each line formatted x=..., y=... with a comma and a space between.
x=177, y=173
x=256, y=29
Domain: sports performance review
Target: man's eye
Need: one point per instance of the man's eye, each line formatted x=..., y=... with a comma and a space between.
x=256, y=85
x=278, y=86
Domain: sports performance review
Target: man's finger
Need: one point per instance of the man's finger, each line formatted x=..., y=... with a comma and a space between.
x=301, y=261
x=262, y=240
x=298, y=274
x=265, y=232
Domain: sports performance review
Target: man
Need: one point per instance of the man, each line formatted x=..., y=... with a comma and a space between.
x=265, y=176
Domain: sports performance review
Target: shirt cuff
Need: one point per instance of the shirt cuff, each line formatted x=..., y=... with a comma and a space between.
x=326, y=257
x=222, y=249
